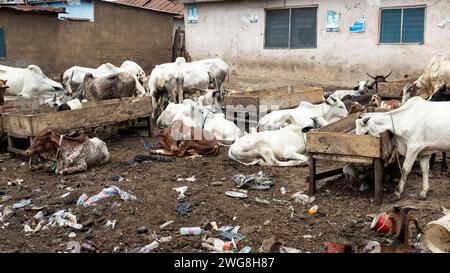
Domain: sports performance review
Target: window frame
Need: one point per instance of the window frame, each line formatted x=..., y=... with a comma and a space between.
x=290, y=8
x=401, y=24
x=4, y=43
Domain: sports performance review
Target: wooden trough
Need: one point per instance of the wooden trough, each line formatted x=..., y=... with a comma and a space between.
x=335, y=142
x=246, y=107
x=22, y=126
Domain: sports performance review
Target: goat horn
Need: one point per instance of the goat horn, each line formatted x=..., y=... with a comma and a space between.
x=385, y=77
x=370, y=76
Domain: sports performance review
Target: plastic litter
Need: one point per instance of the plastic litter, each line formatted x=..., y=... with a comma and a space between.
x=73, y=247
x=27, y=228
x=255, y=181
x=262, y=201
x=191, y=179
x=82, y=199
x=229, y=236
x=302, y=198
x=63, y=218
x=72, y=235
x=106, y=192
x=283, y=191
x=64, y=195
x=181, y=191
x=166, y=224
x=313, y=210
x=191, y=230
x=246, y=249
x=38, y=226
x=183, y=208
x=22, y=203
x=111, y=224
x=143, y=159
x=236, y=194
x=39, y=215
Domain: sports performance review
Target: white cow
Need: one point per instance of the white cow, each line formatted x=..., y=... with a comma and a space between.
x=283, y=147
x=212, y=101
x=196, y=77
x=218, y=67
x=165, y=79
x=331, y=110
x=357, y=91
x=73, y=77
x=420, y=129
x=225, y=131
x=30, y=82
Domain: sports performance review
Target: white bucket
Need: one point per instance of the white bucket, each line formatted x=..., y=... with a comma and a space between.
x=437, y=235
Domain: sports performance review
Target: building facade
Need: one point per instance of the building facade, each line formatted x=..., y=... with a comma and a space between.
x=319, y=41
x=117, y=33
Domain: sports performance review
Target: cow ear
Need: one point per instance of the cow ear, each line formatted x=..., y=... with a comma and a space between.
x=370, y=87
x=355, y=88
x=307, y=129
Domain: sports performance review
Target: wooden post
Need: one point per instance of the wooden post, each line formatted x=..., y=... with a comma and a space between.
x=378, y=168
x=312, y=174
x=150, y=126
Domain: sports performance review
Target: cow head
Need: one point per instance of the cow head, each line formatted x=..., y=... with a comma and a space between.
x=366, y=126
x=336, y=109
x=45, y=144
x=3, y=88
x=380, y=78
x=38, y=85
x=409, y=91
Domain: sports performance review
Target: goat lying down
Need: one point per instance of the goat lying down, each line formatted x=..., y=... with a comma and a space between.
x=72, y=154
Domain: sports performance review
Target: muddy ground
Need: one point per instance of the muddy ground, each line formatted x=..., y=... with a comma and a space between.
x=342, y=218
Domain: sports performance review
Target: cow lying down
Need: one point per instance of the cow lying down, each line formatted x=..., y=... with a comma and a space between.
x=71, y=154
x=181, y=140
x=283, y=147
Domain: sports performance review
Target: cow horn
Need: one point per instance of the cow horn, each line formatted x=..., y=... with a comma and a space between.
x=370, y=76
x=385, y=77
x=365, y=120
x=333, y=99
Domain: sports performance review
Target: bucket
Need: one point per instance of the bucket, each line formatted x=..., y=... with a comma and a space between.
x=381, y=223
x=437, y=235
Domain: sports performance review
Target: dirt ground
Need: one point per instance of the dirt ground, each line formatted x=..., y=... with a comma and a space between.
x=342, y=218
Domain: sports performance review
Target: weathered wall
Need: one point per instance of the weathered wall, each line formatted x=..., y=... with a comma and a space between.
x=340, y=57
x=119, y=33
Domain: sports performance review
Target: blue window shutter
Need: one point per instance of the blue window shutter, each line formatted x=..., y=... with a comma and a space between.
x=277, y=29
x=303, y=28
x=2, y=43
x=413, y=25
x=390, y=25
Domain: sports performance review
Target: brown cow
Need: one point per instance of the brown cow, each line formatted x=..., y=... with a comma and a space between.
x=386, y=104
x=72, y=154
x=181, y=140
x=113, y=86
x=3, y=88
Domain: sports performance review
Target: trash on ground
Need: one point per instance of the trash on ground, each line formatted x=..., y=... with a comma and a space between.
x=246, y=249
x=302, y=198
x=218, y=183
x=73, y=247
x=254, y=181
x=72, y=235
x=6, y=198
x=437, y=235
x=89, y=248
x=181, y=191
x=313, y=210
x=82, y=199
x=166, y=224
x=307, y=236
x=191, y=179
x=381, y=223
x=111, y=224
x=27, y=228
x=283, y=191
x=230, y=235
x=106, y=192
x=22, y=203
x=116, y=178
x=38, y=226
x=236, y=194
x=64, y=195
x=63, y=218
x=183, y=208
x=191, y=230
x=6, y=212
x=262, y=201
x=15, y=182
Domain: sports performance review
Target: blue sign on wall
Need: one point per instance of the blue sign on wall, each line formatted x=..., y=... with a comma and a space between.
x=192, y=17
x=357, y=26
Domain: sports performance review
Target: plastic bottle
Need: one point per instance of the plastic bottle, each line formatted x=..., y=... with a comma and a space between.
x=283, y=191
x=191, y=230
x=313, y=210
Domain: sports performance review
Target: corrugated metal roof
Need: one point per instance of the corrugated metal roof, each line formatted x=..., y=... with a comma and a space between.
x=34, y=8
x=162, y=5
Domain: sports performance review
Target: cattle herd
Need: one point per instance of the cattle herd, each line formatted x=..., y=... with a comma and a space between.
x=192, y=122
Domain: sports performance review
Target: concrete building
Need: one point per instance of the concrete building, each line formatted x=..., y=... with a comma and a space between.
x=320, y=42
x=115, y=33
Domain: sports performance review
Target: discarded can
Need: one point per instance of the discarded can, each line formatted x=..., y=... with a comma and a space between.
x=283, y=191
x=313, y=210
x=191, y=230
x=381, y=223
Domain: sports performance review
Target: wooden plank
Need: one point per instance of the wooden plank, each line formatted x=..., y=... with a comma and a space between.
x=343, y=125
x=326, y=174
x=343, y=158
x=312, y=175
x=378, y=168
x=343, y=144
x=94, y=114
